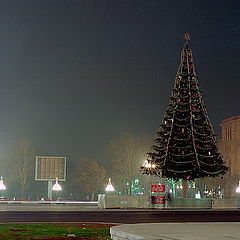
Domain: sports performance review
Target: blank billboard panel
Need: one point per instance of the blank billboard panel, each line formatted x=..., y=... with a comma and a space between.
x=50, y=168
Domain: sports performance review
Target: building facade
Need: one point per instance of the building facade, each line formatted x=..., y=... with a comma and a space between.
x=229, y=146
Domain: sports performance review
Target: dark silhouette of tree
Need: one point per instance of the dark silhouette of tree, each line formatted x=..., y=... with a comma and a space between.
x=22, y=164
x=91, y=176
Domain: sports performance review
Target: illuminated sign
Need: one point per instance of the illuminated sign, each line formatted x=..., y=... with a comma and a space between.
x=157, y=188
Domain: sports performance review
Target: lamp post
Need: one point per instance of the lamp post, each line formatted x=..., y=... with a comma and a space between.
x=149, y=167
x=57, y=187
x=2, y=186
x=109, y=187
x=238, y=191
x=238, y=188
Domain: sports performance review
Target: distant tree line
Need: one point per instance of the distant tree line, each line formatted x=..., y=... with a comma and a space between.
x=124, y=156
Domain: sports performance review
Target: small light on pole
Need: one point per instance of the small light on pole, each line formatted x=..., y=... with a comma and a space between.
x=148, y=166
x=198, y=195
x=2, y=186
x=238, y=188
x=109, y=187
x=57, y=186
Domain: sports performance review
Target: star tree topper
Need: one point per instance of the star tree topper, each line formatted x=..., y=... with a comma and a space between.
x=187, y=37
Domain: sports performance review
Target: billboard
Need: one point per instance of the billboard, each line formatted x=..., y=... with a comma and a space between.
x=158, y=188
x=50, y=168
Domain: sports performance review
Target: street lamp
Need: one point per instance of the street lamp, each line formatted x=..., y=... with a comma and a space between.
x=198, y=195
x=238, y=188
x=109, y=187
x=57, y=187
x=148, y=166
x=2, y=186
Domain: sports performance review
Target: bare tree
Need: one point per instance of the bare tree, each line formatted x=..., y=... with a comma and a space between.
x=126, y=154
x=23, y=164
x=91, y=176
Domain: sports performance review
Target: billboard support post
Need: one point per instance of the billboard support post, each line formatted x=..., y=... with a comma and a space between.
x=49, y=168
x=50, y=190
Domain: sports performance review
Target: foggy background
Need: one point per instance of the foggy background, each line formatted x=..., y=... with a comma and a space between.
x=76, y=74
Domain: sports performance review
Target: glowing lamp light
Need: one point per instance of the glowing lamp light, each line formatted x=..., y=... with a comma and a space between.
x=145, y=163
x=2, y=186
x=238, y=188
x=148, y=164
x=57, y=186
x=109, y=187
x=198, y=195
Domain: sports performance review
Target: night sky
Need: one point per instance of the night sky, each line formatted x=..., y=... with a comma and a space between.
x=75, y=74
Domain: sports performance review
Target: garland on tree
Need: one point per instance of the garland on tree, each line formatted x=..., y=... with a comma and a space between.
x=185, y=147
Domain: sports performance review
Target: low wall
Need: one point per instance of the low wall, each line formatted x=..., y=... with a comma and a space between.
x=127, y=201
x=122, y=201
x=225, y=203
x=192, y=203
x=143, y=201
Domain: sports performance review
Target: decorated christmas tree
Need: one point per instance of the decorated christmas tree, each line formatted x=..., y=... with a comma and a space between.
x=185, y=147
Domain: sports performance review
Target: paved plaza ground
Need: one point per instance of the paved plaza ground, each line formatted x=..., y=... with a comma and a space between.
x=177, y=231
